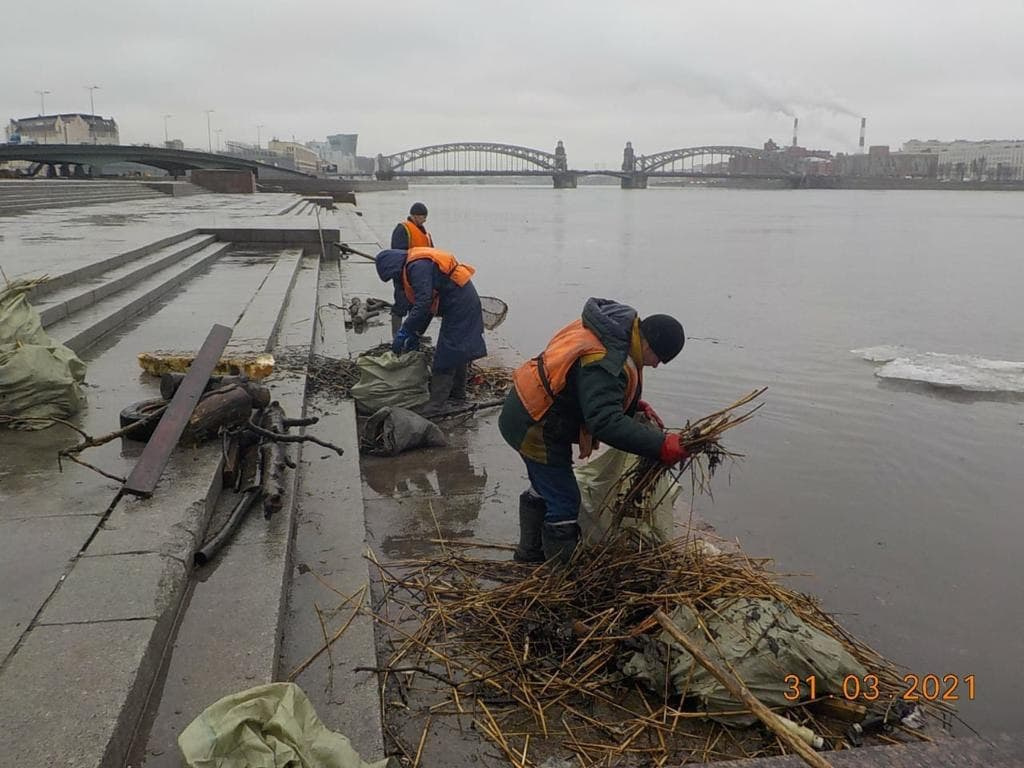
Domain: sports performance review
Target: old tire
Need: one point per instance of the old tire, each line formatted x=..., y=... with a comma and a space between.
x=136, y=412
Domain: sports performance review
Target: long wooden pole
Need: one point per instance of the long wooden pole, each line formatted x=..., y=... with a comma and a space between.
x=739, y=690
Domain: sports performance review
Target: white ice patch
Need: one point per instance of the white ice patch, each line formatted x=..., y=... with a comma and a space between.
x=964, y=372
x=883, y=353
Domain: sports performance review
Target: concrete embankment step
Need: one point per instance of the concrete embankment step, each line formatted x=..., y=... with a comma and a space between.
x=241, y=593
x=96, y=283
x=85, y=325
x=21, y=196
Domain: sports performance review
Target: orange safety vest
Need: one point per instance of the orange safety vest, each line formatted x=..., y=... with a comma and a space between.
x=446, y=262
x=418, y=238
x=539, y=381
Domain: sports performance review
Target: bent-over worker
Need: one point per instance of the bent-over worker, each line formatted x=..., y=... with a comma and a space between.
x=411, y=233
x=584, y=387
x=437, y=285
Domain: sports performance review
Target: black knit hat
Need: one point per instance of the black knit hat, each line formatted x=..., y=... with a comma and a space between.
x=664, y=335
x=418, y=209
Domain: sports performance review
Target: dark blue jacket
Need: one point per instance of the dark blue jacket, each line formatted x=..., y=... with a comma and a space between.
x=461, y=338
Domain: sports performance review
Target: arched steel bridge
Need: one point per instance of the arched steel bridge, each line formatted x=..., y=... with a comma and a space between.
x=174, y=161
x=480, y=158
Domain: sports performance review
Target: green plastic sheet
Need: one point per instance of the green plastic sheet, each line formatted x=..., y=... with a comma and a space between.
x=270, y=726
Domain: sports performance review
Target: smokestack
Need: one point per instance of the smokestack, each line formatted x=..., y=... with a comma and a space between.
x=795, y=123
x=863, y=125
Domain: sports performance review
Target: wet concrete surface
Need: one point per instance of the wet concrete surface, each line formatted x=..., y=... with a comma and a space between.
x=68, y=577
x=37, y=242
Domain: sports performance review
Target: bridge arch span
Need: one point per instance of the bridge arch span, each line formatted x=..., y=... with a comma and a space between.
x=649, y=163
x=400, y=162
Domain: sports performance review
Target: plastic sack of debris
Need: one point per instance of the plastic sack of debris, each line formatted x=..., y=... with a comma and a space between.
x=266, y=727
x=760, y=639
x=598, y=480
x=391, y=431
x=39, y=378
x=390, y=380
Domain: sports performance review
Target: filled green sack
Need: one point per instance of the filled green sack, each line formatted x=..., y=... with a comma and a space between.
x=39, y=378
x=390, y=380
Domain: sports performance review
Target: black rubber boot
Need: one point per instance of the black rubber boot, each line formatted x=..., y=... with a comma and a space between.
x=440, y=389
x=531, y=519
x=459, y=383
x=559, y=541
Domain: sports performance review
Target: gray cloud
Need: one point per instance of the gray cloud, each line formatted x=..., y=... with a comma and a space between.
x=404, y=73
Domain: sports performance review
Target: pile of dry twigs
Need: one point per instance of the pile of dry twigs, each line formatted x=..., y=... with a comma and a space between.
x=336, y=377
x=530, y=654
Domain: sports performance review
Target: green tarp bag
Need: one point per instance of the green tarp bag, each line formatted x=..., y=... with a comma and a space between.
x=390, y=380
x=598, y=480
x=39, y=378
x=269, y=726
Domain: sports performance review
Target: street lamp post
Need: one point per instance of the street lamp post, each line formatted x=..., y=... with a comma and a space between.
x=42, y=102
x=259, y=127
x=92, y=105
x=209, y=133
x=166, y=138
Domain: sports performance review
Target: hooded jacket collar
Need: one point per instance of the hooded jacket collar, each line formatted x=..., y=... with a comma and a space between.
x=389, y=264
x=614, y=323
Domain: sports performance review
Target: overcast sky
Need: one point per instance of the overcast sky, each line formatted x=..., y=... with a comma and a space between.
x=592, y=73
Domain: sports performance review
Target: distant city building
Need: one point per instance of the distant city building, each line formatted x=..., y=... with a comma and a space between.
x=74, y=128
x=880, y=162
x=989, y=160
x=258, y=154
x=305, y=159
x=338, y=153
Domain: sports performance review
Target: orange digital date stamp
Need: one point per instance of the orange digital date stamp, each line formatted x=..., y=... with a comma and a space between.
x=867, y=688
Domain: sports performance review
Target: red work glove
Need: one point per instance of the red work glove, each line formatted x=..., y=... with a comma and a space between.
x=645, y=408
x=672, y=450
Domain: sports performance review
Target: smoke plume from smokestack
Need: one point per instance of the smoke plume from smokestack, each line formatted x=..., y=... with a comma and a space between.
x=795, y=123
x=863, y=125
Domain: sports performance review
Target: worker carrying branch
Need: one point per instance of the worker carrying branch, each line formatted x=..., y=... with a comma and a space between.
x=436, y=284
x=585, y=387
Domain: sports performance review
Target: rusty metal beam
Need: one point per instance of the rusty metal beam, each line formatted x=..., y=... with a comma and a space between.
x=146, y=473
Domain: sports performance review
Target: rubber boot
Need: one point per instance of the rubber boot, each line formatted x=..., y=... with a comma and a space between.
x=440, y=389
x=531, y=520
x=559, y=541
x=459, y=383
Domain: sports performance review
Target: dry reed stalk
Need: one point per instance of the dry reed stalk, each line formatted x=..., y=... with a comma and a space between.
x=543, y=641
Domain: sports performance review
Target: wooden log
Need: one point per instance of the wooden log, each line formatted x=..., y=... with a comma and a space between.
x=169, y=383
x=274, y=458
x=228, y=408
x=736, y=687
x=259, y=394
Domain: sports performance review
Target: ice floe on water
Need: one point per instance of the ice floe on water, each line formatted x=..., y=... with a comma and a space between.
x=963, y=372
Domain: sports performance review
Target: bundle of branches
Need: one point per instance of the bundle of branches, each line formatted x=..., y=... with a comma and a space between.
x=488, y=382
x=534, y=655
x=632, y=494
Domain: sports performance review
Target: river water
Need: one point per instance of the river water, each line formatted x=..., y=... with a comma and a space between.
x=897, y=500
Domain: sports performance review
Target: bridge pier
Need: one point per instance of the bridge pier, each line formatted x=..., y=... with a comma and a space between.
x=564, y=179
x=635, y=180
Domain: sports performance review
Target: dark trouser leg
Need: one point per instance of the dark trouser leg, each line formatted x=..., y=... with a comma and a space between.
x=459, y=383
x=396, y=323
x=557, y=486
x=531, y=522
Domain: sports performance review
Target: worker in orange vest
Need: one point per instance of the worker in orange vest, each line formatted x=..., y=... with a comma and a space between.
x=411, y=233
x=436, y=284
x=585, y=387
